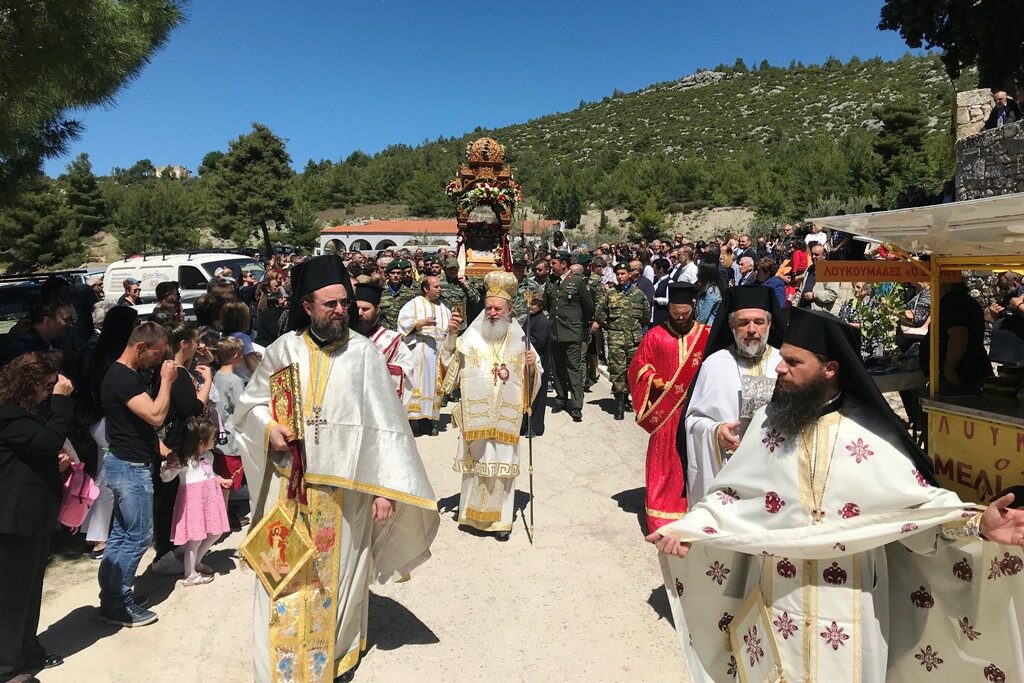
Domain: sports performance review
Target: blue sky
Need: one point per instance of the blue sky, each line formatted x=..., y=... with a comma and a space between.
x=333, y=76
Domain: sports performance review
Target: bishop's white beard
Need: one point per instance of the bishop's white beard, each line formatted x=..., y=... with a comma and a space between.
x=751, y=350
x=495, y=330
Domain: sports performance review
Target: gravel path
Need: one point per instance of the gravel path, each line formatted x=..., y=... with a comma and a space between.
x=584, y=603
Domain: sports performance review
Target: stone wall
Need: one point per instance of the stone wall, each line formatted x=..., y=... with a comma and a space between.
x=972, y=108
x=991, y=163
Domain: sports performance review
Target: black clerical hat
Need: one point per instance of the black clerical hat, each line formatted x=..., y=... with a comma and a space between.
x=822, y=333
x=736, y=299
x=682, y=293
x=309, y=276
x=368, y=293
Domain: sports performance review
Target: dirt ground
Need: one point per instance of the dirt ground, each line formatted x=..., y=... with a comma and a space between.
x=585, y=603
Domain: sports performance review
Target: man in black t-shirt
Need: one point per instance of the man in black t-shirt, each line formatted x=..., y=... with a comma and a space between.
x=132, y=420
x=963, y=361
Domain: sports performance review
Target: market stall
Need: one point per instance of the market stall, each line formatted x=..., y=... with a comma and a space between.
x=975, y=442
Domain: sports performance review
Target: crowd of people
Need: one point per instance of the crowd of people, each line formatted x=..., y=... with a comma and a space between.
x=163, y=413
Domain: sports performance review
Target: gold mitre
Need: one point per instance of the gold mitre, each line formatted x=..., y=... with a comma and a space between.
x=501, y=283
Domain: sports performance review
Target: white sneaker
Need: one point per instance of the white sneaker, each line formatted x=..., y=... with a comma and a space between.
x=168, y=565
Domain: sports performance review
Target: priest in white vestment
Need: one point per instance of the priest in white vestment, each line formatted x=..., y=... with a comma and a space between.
x=353, y=492
x=736, y=378
x=400, y=361
x=498, y=375
x=423, y=324
x=827, y=522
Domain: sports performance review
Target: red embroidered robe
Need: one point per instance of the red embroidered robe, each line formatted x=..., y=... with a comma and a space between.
x=660, y=376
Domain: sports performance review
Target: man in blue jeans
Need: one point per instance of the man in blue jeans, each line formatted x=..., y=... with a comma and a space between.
x=132, y=420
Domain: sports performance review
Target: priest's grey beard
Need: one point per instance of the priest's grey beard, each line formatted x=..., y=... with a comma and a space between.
x=791, y=410
x=495, y=330
x=751, y=350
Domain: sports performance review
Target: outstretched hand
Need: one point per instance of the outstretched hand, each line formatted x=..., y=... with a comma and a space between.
x=1002, y=524
x=670, y=545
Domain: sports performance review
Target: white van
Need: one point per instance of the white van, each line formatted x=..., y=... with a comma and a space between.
x=192, y=272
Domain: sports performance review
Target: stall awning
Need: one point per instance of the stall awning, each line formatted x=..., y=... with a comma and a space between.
x=980, y=227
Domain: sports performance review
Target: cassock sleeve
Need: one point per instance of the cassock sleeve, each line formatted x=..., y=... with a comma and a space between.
x=404, y=360
x=642, y=373
x=253, y=423
x=407, y=323
x=703, y=416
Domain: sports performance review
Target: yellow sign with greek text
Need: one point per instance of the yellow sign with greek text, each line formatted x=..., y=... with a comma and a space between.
x=975, y=458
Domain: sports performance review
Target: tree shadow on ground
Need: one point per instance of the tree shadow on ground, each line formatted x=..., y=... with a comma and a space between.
x=632, y=501
x=659, y=603
x=391, y=625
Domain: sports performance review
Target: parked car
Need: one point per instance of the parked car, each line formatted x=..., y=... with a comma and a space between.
x=192, y=271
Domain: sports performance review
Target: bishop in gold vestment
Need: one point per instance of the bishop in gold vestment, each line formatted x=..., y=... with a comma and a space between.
x=498, y=375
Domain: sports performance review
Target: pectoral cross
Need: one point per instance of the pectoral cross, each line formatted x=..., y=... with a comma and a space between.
x=817, y=516
x=316, y=422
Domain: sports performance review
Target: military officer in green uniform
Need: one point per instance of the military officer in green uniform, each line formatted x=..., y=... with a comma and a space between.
x=595, y=349
x=569, y=303
x=622, y=312
x=395, y=294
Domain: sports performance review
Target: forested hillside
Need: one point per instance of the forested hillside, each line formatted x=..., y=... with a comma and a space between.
x=784, y=142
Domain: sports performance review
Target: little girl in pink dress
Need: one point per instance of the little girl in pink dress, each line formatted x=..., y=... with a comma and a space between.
x=200, y=516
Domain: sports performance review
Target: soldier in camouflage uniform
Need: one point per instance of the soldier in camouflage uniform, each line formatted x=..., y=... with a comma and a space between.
x=458, y=293
x=622, y=311
x=519, y=304
x=395, y=294
x=596, y=346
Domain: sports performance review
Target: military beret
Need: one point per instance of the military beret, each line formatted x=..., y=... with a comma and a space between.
x=451, y=262
x=395, y=265
x=584, y=259
x=562, y=256
x=404, y=263
x=621, y=266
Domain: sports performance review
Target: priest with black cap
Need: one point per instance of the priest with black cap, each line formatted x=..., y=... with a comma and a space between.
x=401, y=363
x=660, y=375
x=826, y=552
x=345, y=502
x=736, y=378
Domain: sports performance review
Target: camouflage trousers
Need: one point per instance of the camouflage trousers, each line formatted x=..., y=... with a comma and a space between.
x=621, y=347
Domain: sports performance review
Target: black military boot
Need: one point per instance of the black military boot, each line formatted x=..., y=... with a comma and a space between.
x=618, y=406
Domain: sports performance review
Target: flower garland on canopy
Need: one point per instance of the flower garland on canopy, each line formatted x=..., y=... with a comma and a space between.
x=505, y=193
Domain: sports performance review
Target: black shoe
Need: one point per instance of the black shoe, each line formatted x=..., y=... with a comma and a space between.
x=140, y=600
x=576, y=415
x=502, y=536
x=558, y=407
x=618, y=407
x=96, y=555
x=47, y=662
x=130, y=617
x=349, y=675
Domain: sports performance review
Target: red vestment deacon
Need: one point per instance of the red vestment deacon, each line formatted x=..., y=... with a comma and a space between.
x=659, y=378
